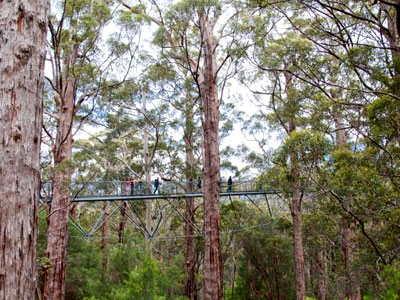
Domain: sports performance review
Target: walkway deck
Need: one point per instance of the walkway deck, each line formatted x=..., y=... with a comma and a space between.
x=120, y=191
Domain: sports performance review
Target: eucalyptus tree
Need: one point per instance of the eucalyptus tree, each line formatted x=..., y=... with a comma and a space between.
x=279, y=57
x=360, y=38
x=188, y=120
x=187, y=31
x=22, y=51
x=111, y=155
x=178, y=159
x=79, y=69
x=141, y=102
x=363, y=37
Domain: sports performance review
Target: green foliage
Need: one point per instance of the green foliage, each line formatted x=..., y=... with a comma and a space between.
x=160, y=72
x=391, y=280
x=319, y=74
x=384, y=119
x=265, y=265
x=146, y=282
x=310, y=148
x=142, y=283
x=130, y=273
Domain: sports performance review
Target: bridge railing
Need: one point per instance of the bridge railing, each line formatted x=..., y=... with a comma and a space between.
x=120, y=188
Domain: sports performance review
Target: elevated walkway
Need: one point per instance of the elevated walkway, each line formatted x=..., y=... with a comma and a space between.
x=121, y=191
x=114, y=201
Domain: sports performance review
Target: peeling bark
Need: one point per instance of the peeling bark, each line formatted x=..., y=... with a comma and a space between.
x=22, y=48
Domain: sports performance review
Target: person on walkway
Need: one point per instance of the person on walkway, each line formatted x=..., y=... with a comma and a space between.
x=199, y=183
x=156, y=186
x=127, y=187
x=190, y=185
x=230, y=182
x=132, y=185
x=140, y=187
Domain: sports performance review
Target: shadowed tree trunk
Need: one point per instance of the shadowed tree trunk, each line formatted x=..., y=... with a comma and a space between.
x=104, y=237
x=146, y=167
x=22, y=48
x=352, y=289
x=321, y=269
x=295, y=206
x=190, y=241
x=295, y=210
x=72, y=47
x=213, y=269
x=122, y=223
x=190, y=251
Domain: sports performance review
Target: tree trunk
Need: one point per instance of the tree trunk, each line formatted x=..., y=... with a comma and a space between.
x=277, y=277
x=298, y=247
x=351, y=285
x=392, y=32
x=22, y=48
x=190, y=241
x=104, y=237
x=122, y=223
x=146, y=168
x=190, y=251
x=57, y=232
x=321, y=269
x=213, y=269
x=295, y=207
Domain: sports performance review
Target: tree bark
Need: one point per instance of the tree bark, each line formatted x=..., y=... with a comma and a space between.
x=298, y=247
x=122, y=223
x=213, y=269
x=190, y=241
x=321, y=269
x=392, y=33
x=352, y=288
x=57, y=232
x=190, y=251
x=22, y=48
x=146, y=168
x=295, y=207
x=104, y=237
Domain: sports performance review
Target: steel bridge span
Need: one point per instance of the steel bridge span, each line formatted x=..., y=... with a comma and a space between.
x=103, y=202
x=121, y=191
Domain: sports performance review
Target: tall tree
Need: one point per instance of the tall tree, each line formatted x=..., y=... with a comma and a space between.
x=78, y=74
x=278, y=59
x=22, y=51
x=187, y=19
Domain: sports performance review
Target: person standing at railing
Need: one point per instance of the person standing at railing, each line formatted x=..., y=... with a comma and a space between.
x=132, y=186
x=190, y=186
x=199, y=183
x=156, y=186
x=140, y=187
x=230, y=182
x=127, y=185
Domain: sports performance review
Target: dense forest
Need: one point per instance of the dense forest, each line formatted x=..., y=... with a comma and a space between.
x=122, y=120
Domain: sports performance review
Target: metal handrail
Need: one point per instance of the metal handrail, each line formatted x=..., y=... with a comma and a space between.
x=121, y=188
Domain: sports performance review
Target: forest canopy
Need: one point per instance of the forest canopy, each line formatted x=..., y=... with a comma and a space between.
x=217, y=150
